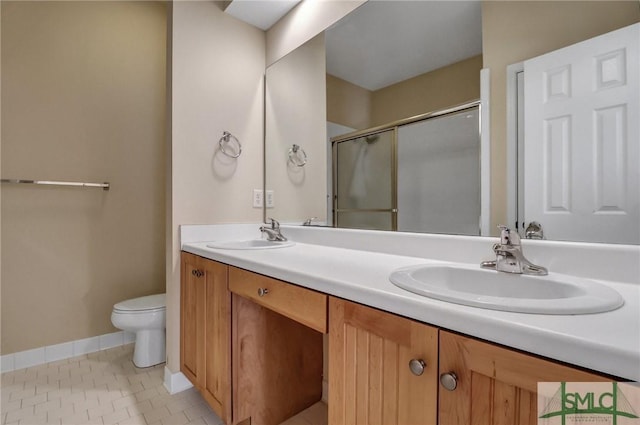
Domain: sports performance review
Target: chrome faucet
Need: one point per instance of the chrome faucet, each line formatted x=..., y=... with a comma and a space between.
x=509, y=256
x=534, y=231
x=273, y=232
x=308, y=221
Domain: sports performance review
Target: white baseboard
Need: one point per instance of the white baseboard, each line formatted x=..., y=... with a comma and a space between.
x=66, y=350
x=175, y=382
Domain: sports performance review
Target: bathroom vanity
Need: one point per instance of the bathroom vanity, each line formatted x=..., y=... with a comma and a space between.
x=252, y=326
x=250, y=339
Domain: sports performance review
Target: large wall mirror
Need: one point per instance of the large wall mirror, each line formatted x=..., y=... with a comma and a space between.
x=378, y=66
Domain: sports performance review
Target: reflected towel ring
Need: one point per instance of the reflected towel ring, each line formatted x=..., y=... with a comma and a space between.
x=297, y=156
x=225, y=140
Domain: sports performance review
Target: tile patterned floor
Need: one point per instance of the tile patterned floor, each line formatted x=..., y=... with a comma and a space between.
x=314, y=415
x=102, y=388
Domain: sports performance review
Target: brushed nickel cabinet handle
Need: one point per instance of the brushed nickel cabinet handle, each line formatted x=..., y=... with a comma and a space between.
x=262, y=292
x=417, y=366
x=449, y=381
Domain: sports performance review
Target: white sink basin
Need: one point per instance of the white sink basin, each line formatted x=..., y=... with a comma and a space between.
x=250, y=244
x=473, y=286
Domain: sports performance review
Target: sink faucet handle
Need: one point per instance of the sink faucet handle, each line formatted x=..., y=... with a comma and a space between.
x=507, y=237
x=274, y=223
x=509, y=256
x=273, y=231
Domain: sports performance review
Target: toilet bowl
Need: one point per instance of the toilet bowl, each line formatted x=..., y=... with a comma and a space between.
x=144, y=316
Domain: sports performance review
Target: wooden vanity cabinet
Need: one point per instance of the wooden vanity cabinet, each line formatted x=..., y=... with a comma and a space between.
x=495, y=385
x=205, y=325
x=300, y=304
x=276, y=340
x=370, y=381
x=277, y=348
x=383, y=368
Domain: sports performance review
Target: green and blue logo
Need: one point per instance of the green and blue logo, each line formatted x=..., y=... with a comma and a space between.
x=590, y=405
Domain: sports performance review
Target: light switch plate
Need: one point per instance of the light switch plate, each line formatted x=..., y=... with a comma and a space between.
x=257, y=198
x=270, y=200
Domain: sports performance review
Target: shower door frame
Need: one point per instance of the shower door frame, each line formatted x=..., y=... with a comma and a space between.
x=393, y=126
x=394, y=173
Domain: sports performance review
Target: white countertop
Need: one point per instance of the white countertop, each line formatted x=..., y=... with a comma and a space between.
x=605, y=342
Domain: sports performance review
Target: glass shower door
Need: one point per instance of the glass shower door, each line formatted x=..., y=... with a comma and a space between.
x=439, y=174
x=364, y=191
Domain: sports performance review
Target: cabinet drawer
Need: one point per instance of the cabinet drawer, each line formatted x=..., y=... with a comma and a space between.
x=300, y=304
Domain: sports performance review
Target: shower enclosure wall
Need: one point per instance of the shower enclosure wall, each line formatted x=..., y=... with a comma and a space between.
x=418, y=175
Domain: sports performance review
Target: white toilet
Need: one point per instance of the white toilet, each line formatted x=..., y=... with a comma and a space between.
x=145, y=316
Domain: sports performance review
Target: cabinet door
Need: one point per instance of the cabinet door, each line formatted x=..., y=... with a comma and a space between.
x=217, y=313
x=192, y=323
x=495, y=385
x=370, y=381
x=205, y=323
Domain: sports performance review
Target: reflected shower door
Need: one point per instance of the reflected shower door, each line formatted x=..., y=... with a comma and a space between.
x=439, y=174
x=364, y=182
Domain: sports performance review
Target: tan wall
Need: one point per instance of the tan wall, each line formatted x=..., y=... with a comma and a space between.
x=348, y=104
x=83, y=99
x=0, y=175
x=356, y=107
x=445, y=87
x=517, y=30
x=217, y=67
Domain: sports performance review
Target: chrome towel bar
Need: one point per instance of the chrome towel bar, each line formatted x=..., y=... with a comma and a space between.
x=104, y=186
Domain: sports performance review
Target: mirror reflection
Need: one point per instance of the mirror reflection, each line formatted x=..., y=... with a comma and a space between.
x=581, y=146
x=420, y=175
x=364, y=177
x=505, y=33
x=430, y=60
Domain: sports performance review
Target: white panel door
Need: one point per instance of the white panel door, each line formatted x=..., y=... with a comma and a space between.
x=582, y=132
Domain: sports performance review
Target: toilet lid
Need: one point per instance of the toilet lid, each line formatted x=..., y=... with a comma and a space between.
x=150, y=302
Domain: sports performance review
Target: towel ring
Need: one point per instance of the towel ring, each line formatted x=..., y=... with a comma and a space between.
x=225, y=140
x=297, y=156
